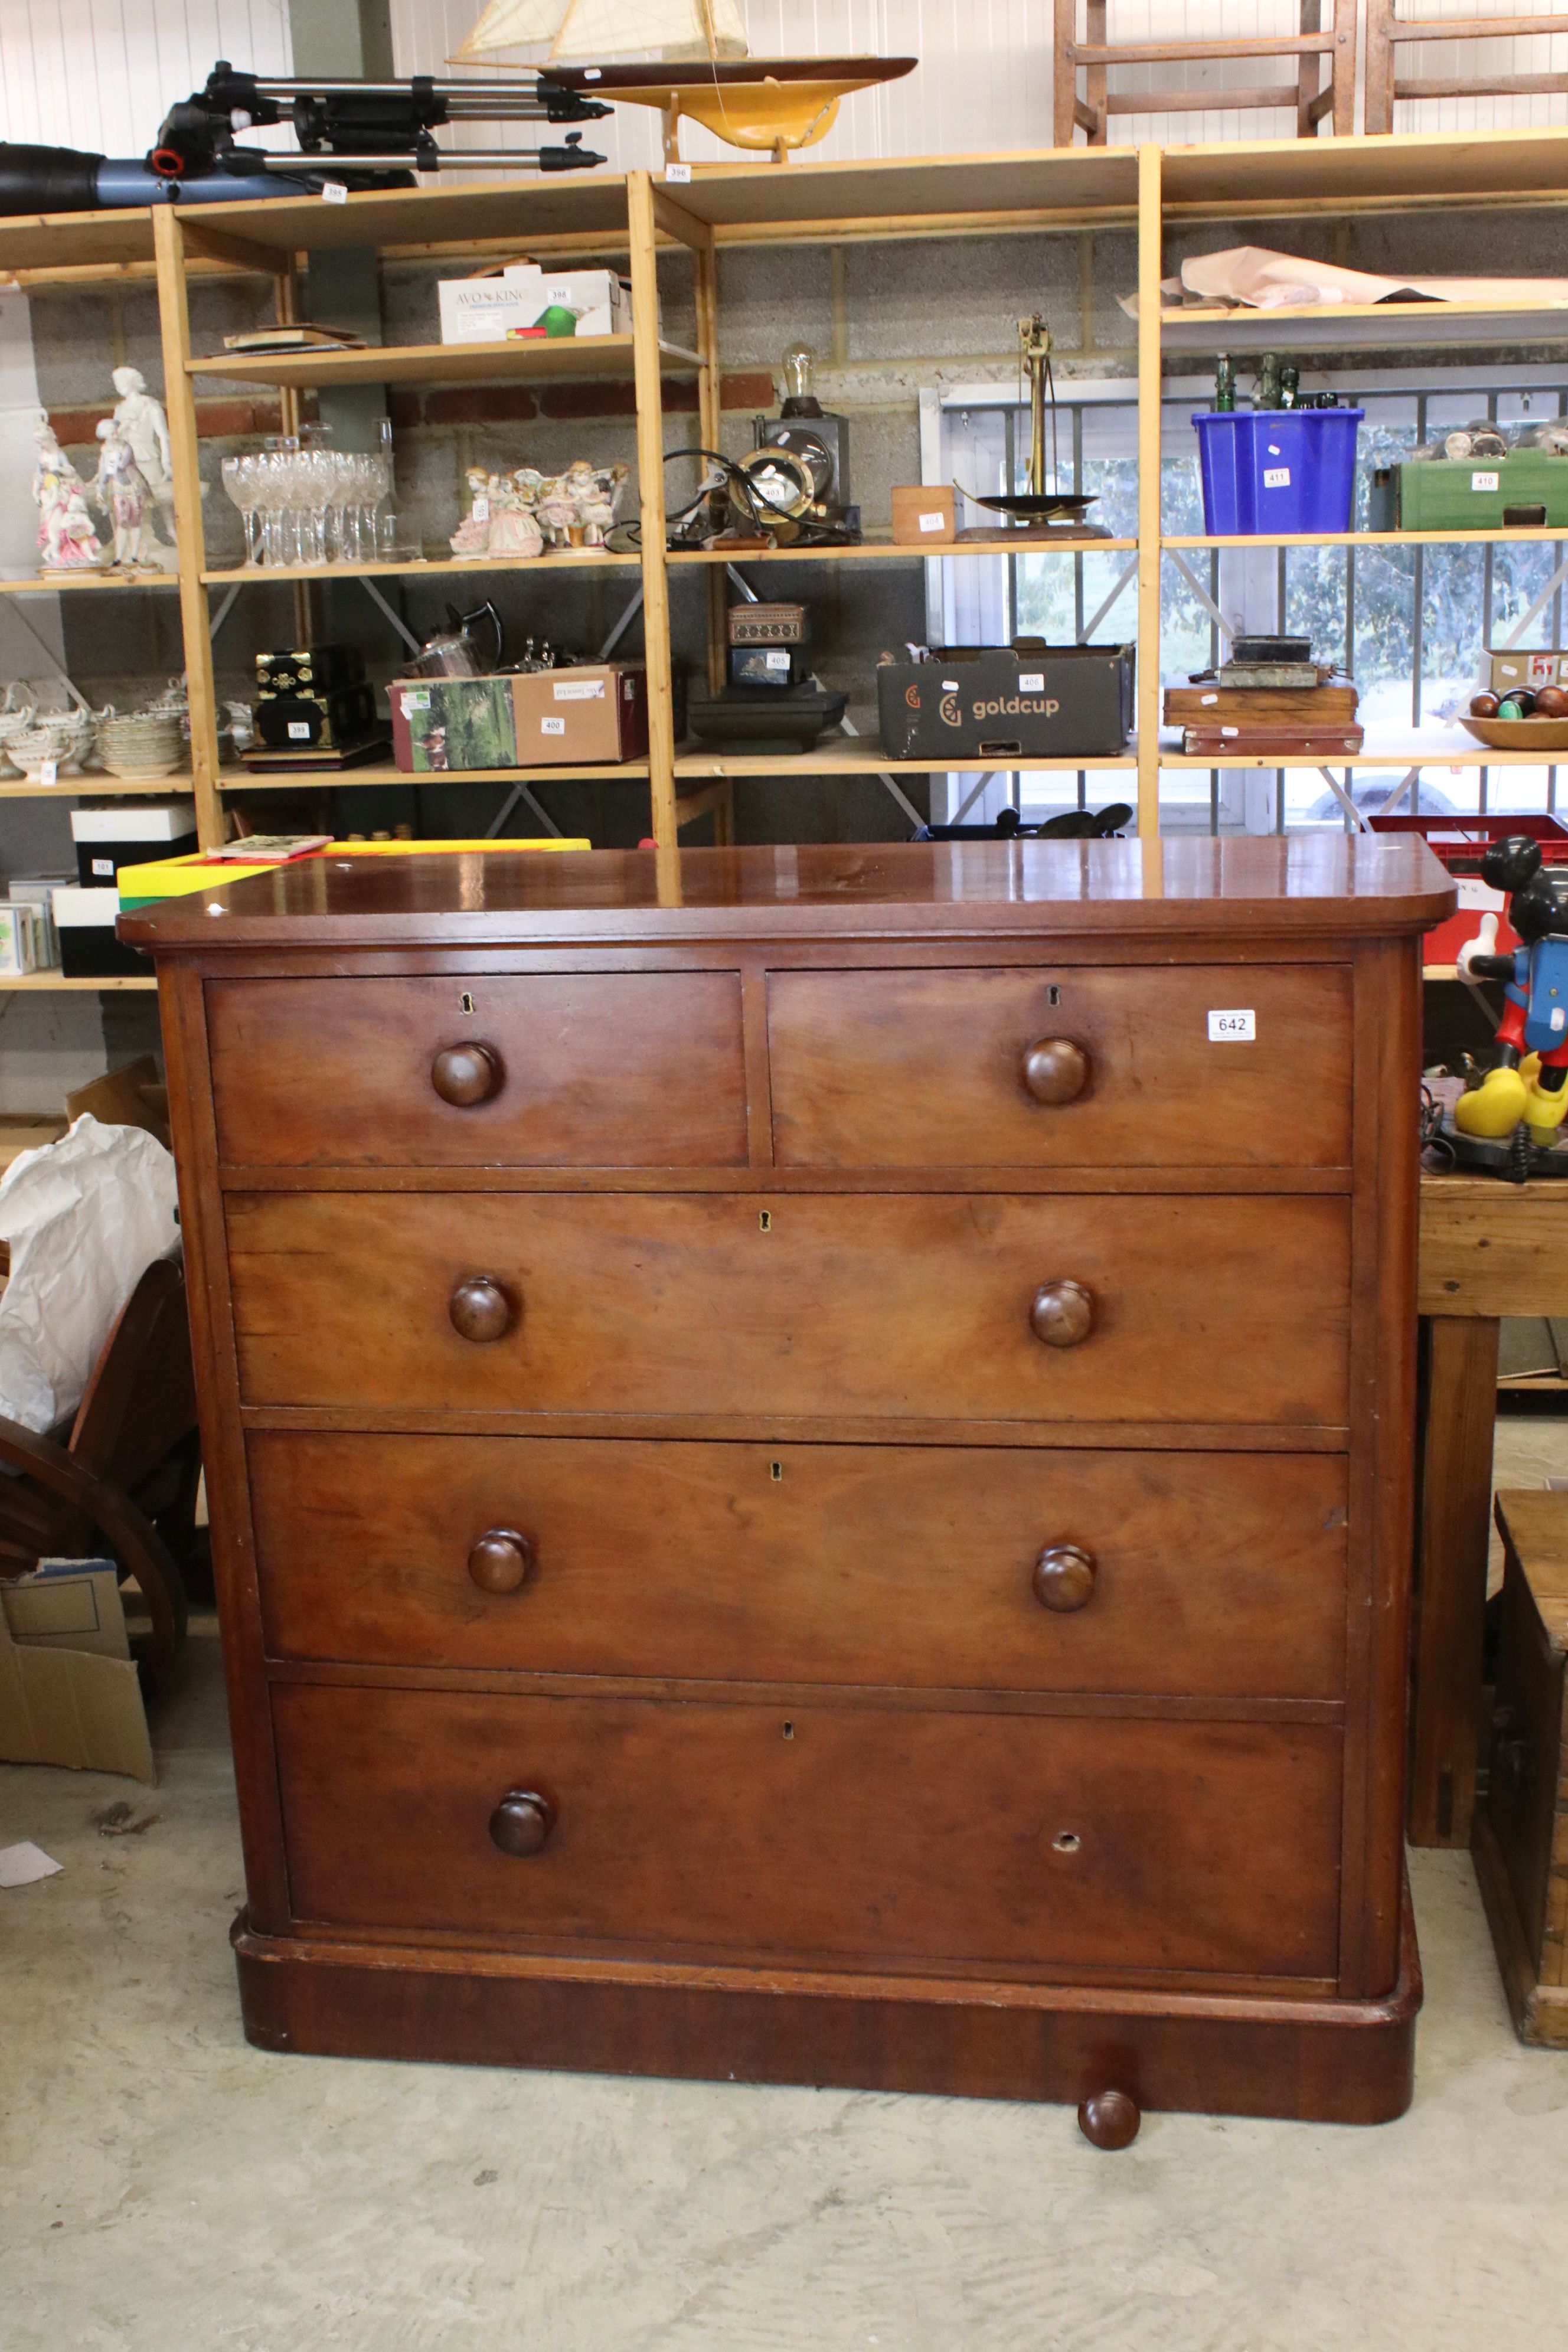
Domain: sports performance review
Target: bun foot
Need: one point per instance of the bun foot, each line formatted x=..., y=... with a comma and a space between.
x=1110, y=2119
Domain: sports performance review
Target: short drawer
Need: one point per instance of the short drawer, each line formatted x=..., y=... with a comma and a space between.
x=835, y=1833
x=933, y=1566
x=1205, y=1310
x=577, y=1069
x=1075, y=1067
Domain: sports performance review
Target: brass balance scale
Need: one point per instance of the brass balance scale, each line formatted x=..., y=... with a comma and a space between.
x=1036, y=517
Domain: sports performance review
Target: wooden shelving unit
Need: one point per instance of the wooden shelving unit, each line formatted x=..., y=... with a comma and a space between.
x=724, y=205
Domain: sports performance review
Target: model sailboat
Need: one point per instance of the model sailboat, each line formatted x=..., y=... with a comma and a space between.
x=697, y=65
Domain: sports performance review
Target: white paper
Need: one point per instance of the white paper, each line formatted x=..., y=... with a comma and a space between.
x=552, y=727
x=1238, y=1028
x=1034, y=683
x=22, y=1865
x=934, y=522
x=678, y=173
x=580, y=690
x=1266, y=280
x=85, y=1218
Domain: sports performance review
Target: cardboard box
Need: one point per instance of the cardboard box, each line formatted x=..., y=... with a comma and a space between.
x=924, y=514
x=450, y=725
x=69, y=1693
x=581, y=716
x=1535, y=667
x=985, y=703
x=486, y=309
x=108, y=838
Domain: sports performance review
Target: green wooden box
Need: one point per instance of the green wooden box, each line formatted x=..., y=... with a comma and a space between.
x=1470, y=493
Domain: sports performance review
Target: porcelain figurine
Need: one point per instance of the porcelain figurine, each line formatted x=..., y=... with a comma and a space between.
x=143, y=423
x=578, y=507
x=472, y=536
x=514, y=524
x=125, y=495
x=67, y=540
x=501, y=519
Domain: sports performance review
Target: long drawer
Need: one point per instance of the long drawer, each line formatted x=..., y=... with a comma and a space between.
x=1162, y=1573
x=586, y=1069
x=836, y=1831
x=1204, y=1309
x=1145, y=1065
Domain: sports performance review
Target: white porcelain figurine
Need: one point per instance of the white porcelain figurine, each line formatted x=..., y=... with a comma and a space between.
x=142, y=420
x=67, y=540
x=125, y=495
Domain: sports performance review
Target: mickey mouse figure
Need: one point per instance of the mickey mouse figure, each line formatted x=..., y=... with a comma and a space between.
x=1530, y=1081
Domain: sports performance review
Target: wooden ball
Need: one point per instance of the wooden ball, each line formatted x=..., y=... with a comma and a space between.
x=1484, y=706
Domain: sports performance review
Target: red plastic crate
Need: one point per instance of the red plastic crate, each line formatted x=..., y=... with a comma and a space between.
x=1462, y=842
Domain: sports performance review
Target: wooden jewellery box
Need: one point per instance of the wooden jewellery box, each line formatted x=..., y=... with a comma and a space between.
x=810, y=1457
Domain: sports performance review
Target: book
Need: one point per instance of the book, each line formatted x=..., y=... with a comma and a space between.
x=281, y=846
x=299, y=337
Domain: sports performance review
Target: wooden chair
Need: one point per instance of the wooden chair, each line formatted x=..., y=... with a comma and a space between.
x=1092, y=111
x=123, y=1477
x=1385, y=32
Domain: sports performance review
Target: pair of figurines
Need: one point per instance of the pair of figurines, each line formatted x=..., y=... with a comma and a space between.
x=521, y=513
x=133, y=482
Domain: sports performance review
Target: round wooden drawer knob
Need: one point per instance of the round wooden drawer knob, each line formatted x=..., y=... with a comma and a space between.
x=522, y=1822
x=1056, y=1070
x=1110, y=2119
x=466, y=1074
x=1062, y=1314
x=501, y=1560
x=480, y=1309
x=1064, y=1578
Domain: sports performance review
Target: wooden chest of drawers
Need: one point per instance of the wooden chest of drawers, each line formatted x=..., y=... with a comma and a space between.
x=810, y=1457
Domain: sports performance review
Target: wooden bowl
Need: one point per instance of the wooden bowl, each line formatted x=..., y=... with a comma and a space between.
x=1519, y=734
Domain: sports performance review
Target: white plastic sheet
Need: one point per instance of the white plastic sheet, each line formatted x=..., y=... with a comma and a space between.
x=85, y=1218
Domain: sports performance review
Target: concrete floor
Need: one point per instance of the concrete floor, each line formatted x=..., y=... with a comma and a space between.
x=164, y=2187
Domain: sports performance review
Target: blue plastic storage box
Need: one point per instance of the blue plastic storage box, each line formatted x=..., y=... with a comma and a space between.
x=1272, y=470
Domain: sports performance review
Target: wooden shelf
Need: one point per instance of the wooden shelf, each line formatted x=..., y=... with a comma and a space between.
x=312, y=779
x=47, y=584
x=1334, y=326
x=886, y=551
x=856, y=757
x=579, y=357
x=47, y=981
x=93, y=787
x=441, y=220
x=1403, y=756
x=755, y=202
x=1257, y=179
x=1516, y=537
x=437, y=567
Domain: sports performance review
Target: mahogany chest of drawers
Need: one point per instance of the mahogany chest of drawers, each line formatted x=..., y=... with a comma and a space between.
x=809, y=1452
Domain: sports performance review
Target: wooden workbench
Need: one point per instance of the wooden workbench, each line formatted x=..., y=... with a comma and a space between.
x=1488, y=1250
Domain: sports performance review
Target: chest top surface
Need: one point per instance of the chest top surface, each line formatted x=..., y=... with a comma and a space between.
x=1332, y=886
